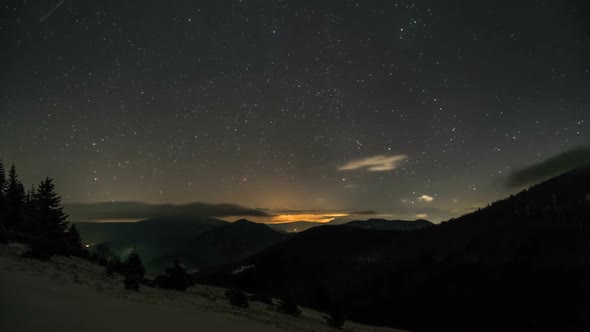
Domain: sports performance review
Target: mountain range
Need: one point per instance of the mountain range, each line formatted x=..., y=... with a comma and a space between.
x=521, y=263
x=204, y=242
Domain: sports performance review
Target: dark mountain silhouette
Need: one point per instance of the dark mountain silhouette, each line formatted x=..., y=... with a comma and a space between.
x=390, y=225
x=152, y=237
x=295, y=226
x=221, y=245
x=522, y=263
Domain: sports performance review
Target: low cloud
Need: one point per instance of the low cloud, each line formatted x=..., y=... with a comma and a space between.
x=421, y=216
x=548, y=168
x=141, y=210
x=374, y=164
x=425, y=198
x=365, y=213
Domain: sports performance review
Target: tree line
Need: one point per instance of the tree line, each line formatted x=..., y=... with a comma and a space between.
x=35, y=217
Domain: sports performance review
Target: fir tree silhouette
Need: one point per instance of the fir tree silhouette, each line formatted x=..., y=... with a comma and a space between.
x=14, y=201
x=3, y=231
x=30, y=222
x=134, y=265
x=49, y=209
x=133, y=270
x=2, y=188
x=50, y=217
x=74, y=241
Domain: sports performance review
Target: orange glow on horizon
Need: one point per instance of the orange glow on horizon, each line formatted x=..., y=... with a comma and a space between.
x=313, y=217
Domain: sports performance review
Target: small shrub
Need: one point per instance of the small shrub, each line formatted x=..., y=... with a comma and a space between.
x=335, y=319
x=237, y=298
x=175, y=278
x=39, y=249
x=109, y=270
x=3, y=234
x=261, y=298
x=288, y=306
x=131, y=282
x=113, y=265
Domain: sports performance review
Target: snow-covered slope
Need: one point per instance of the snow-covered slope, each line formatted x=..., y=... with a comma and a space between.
x=71, y=294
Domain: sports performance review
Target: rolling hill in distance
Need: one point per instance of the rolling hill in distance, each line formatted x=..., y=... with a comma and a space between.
x=152, y=237
x=205, y=242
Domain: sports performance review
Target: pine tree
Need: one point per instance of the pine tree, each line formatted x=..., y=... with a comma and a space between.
x=3, y=231
x=30, y=224
x=49, y=210
x=14, y=201
x=2, y=185
x=74, y=239
x=134, y=265
x=133, y=270
x=50, y=217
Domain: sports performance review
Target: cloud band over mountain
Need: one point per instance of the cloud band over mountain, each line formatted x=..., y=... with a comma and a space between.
x=141, y=210
x=561, y=163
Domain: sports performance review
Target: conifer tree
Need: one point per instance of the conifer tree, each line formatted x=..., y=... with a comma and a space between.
x=133, y=270
x=3, y=232
x=14, y=200
x=134, y=265
x=2, y=185
x=49, y=210
x=30, y=223
x=74, y=240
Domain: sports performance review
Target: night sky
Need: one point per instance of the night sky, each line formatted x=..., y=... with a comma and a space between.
x=405, y=108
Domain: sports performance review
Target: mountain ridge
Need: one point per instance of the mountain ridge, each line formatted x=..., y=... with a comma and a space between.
x=531, y=248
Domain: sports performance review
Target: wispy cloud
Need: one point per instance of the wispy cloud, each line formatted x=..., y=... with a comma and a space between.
x=425, y=198
x=379, y=163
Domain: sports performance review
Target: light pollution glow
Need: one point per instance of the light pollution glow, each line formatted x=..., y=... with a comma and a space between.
x=312, y=217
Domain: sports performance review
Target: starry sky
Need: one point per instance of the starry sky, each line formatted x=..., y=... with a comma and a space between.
x=401, y=109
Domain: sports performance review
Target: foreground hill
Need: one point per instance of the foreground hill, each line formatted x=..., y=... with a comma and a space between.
x=390, y=225
x=228, y=243
x=72, y=295
x=522, y=262
x=152, y=237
